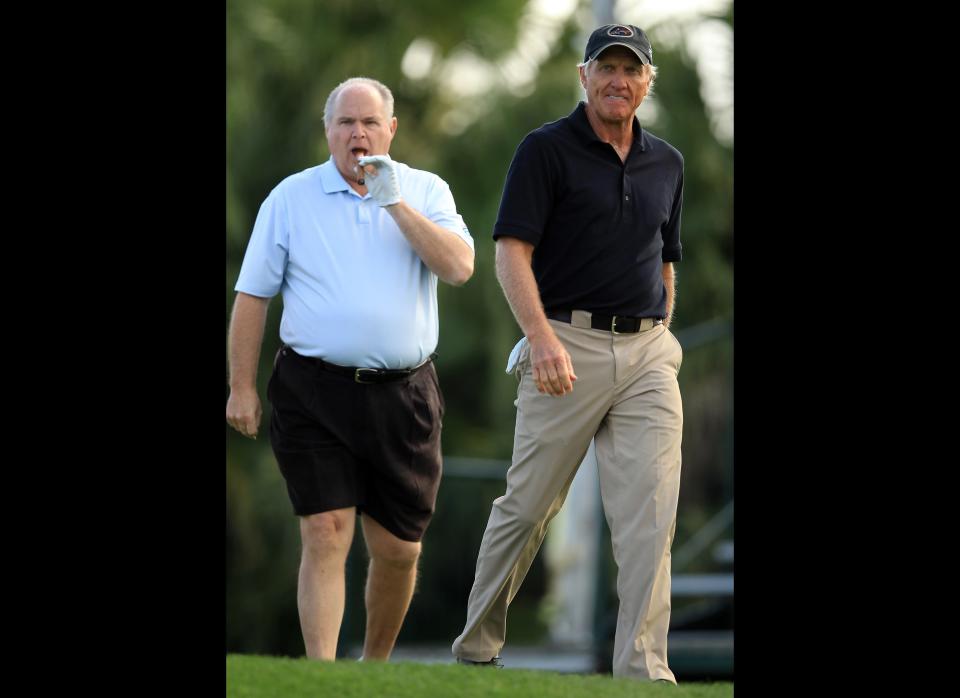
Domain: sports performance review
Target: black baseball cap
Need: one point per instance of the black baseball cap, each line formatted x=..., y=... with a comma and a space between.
x=619, y=35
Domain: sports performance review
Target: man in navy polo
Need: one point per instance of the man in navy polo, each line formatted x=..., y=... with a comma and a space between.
x=355, y=246
x=587, y=234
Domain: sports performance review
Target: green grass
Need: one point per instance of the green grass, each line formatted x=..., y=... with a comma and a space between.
x=251, y=676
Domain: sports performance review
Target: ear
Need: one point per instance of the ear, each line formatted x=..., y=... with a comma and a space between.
x=393, y=126
x=583, y=77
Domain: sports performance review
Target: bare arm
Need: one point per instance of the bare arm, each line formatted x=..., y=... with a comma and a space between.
x=668, y=279
x=445, y=253
x=245, y=338
x=552, y=366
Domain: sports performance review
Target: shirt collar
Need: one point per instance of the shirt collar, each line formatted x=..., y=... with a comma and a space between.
x=583, y=129
x=331, y=179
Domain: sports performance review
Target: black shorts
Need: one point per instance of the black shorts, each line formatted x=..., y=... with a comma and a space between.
x=340, y=443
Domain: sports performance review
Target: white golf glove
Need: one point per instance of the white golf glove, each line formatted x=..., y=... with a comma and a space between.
x=384, y=186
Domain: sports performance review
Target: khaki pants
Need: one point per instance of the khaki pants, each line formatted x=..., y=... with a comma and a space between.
x=627, y=398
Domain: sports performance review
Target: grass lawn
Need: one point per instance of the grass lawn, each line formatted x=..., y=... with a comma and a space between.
x=250, y=676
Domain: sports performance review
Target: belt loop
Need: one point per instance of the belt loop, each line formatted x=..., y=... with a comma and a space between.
x=582, y=319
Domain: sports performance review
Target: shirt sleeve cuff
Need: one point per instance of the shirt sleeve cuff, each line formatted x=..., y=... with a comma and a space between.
x=674, y=254
x=513, y=231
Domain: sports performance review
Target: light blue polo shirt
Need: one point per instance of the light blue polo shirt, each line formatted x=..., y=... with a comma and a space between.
x=355, y=292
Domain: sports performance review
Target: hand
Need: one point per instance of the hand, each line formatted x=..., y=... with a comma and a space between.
x=243, y=412
x=382, y=181
x=552, y=366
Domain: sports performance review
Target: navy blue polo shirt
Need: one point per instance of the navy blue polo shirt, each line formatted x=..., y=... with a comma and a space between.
x=601, y=228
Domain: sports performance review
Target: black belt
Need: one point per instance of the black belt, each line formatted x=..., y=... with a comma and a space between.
x=618, y=324
x=362, y=375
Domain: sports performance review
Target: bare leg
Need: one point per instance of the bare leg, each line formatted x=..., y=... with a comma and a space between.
x=391, y=579
x=326, y=539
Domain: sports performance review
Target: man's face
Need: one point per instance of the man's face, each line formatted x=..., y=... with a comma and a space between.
x=615, y=84
x=359, y=127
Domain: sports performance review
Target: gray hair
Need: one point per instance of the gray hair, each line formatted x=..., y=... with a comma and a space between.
x=384, y=91
x=649, y=72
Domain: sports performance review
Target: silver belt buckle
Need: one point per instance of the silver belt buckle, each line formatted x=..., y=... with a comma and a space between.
x=356, y=375
x=613, y=325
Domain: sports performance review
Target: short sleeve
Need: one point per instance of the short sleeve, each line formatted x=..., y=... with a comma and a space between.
x=442, y=210
x=265, y=260
x=528, y=193
x=672, y=249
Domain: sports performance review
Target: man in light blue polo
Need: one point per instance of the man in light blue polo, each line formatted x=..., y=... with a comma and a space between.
x=355, y=246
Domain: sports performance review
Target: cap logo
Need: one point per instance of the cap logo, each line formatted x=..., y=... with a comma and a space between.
x=620, y=30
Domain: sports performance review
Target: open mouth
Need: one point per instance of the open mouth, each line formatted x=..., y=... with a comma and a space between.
x=358, y=152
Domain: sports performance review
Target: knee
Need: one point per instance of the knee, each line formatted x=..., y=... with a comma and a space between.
x=397, y=553
x=326, y=533
x=525, y=513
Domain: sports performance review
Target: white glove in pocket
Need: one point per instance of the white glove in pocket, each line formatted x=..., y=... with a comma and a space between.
x=515, y=355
